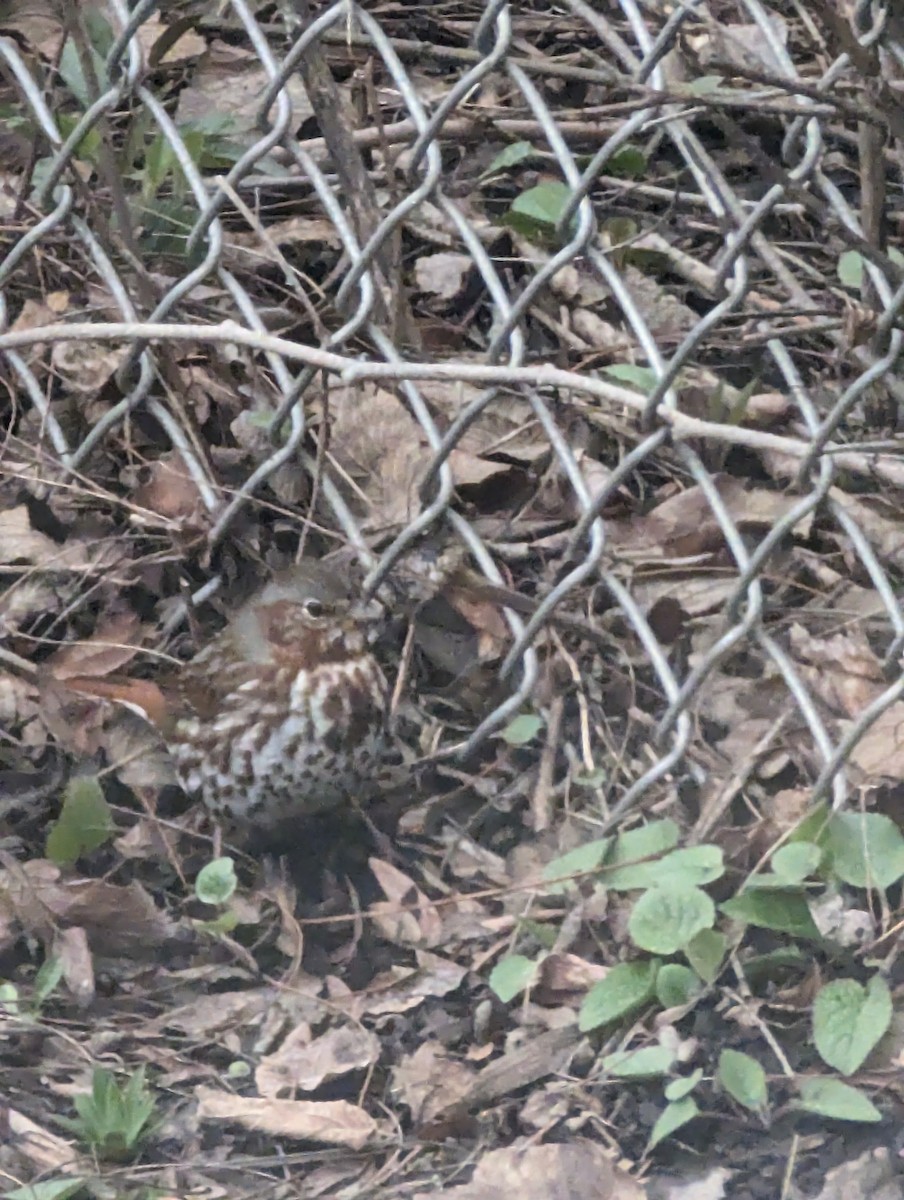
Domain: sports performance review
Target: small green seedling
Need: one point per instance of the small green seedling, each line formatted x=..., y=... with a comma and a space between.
x=112, y=1119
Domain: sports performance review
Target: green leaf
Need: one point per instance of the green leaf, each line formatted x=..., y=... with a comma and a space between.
x=84, y=824
x=626, y=988
x=641, y=378
x=629, y=162
x=679, y=1088
x=544, y=203
x=112, y=1119
x=224, y=922
x=510, y=156
x=812, y=827
x=159, y=160
x=618, y=230
x=743, y=1078
x=795, y=861
x=663, y=921
x=851, y=268
x=692, y=866
x=648, y=1063
x=784, y=911
x=848, y=1021
x=89, y=145
x=47, y=980
x=216, y=882
x=672, y=1118
x=70, y=70
x=705, y=952
x=522, y=729
x=10, y=1001
x=46, y=1189
x=536, y=212
x=864, y=849
x=703, y=85
x=677, y=985
x=512, y=975
x=655, y=838
x=583, y=858
x=775, y=964
x=832, y=1098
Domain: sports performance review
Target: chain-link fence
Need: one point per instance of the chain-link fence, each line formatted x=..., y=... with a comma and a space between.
x=594, y=298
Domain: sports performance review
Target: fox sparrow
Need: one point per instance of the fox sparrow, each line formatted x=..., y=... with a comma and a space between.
x=282, y=714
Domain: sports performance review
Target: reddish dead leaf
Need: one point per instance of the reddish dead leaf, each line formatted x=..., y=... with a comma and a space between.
x=32, y=315
x=305, y=1063
x=767, y=409
x=333, y=1122
x=580, y=1170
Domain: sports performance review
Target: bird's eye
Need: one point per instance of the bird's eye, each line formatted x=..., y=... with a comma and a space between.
x=314, y=608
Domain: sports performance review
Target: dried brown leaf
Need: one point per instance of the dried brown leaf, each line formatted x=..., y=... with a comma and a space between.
x=880, y=752
x=114, y=643
x=230, y=80
x=117, y=919
x=208, y=1016
x=135, y=750
x=305, y=1063
x=443, y=274
x=401, y=989
x=72, y=950
x=406, y=916
x=20, y=543
x=842, y=668
x=565, y=976
x=382, y=448
x=578, y=1170
x=84, y=366
x=26, y=598
x=19, y=701
x=189, y=45
x=169, y=492
x=431, y=1082
x=44, y=1150
x=334, y=1122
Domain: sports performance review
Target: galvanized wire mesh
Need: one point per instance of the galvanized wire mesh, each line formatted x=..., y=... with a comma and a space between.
x=756, y=292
